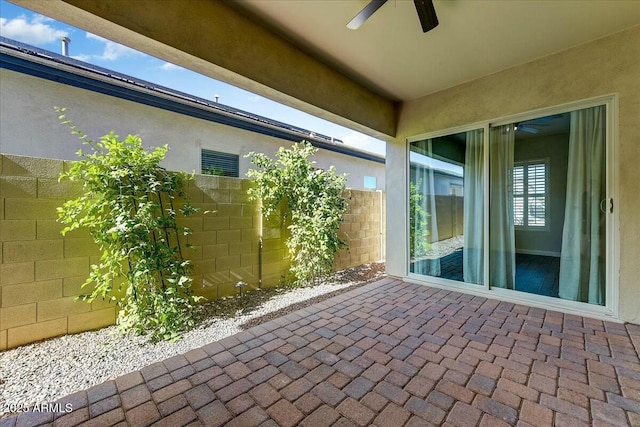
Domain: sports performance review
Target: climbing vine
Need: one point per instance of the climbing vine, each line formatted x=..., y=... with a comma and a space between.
x=129, y=207
x=310, y=203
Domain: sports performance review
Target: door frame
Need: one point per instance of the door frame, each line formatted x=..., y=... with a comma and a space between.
x=609, y=311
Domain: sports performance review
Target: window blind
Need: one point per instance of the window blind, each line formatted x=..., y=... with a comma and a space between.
x=219, y=163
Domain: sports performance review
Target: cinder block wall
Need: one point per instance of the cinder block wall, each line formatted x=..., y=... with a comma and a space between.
x=41, y=272
x=362, y=229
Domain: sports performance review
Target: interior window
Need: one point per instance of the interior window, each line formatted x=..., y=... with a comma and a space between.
x=530, y=194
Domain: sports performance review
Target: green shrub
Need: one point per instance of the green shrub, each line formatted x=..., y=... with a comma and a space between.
x=310, y=203
x=418, y=224
x=128, y=208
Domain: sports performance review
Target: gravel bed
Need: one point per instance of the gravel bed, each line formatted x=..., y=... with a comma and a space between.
x=445, y=247
x=45, y=371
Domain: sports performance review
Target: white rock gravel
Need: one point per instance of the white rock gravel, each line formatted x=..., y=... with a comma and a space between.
x=48, y=370
x=445, y=247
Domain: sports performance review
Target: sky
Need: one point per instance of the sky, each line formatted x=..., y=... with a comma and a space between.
x=28, y=27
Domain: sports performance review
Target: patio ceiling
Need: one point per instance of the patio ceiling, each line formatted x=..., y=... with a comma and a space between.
x=301, y=53
x=391, y=54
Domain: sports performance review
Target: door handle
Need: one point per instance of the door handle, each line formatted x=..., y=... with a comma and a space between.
x=603, y=205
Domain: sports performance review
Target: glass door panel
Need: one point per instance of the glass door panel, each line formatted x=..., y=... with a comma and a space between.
x=547, y=213
x=446, y=207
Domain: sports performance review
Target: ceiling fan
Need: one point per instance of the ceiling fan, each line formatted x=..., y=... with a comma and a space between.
x=425, y=9
x=536, y=125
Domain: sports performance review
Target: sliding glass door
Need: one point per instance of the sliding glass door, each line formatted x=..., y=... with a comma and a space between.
x=523, y=208
x=446, y=193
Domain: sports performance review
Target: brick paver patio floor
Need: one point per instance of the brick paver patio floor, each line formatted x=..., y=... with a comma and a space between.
x=387, y=354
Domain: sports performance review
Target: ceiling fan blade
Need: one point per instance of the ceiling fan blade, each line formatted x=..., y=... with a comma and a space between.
x=365, y=14
x=528, y=129
x=427, y=14
x=545, y=119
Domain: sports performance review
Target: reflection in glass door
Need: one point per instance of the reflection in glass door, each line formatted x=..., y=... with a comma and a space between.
x=446, y=207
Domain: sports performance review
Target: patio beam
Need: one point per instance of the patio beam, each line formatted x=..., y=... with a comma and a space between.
x=214, y=39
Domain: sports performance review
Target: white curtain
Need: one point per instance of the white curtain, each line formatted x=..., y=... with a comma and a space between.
x=582, y=260
x=502, y=258
x=472, y=256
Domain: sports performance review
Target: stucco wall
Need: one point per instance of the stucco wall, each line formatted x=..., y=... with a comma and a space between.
x=30, y=127
x=41, y=272
x=606, y=66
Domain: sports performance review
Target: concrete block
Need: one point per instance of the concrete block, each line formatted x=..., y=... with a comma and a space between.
x=240, y=222
x=215, y=223
x=59, y=268
x=20, y=187
x=62, y=307
x=213, y=279
x=22, y=272
x=250, y=234
x=272, y=244
x=247, y=184
x=229, y=209
x=203, y=207
x=273, y=269
x=210, y=292
x=204, y=266
x=31, y=250
x=200, y=238
x=193, y=222
x=15, y=229
x=192, y=253
x=36, y=332
x=229, y=183
x=205, y=182
x=271, y=233
x=26, y=293
x=218, y=196
x=273, y=221
x=251, y=209
x=197, y=283
x=74, y=248
x=194, y=194
x=227, y=262
x=51, y=229
x=18, y=315
x=227, y=236
x=237, y=196
x=31, y=166
x=3, y=340
x=247, y=260
x=272, y=256
x=245, y=274
x=101, y=304
x=226, y=289
x=51, y=188
x=72, y=286
x=215, y=251
x=31, y=208
x=256, y=221
x=239, y=248
x=92, y=320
